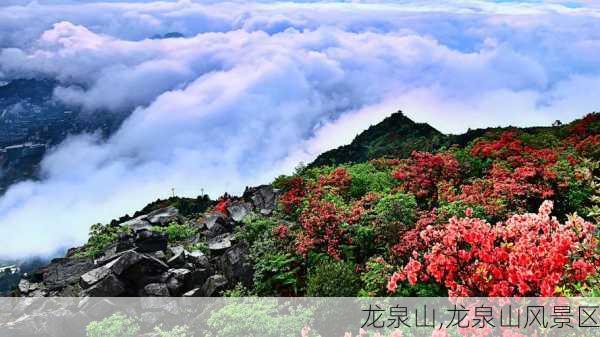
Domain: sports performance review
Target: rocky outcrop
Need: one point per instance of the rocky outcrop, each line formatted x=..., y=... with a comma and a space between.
x=65, y=271
x=263, y=198
x=143, y=262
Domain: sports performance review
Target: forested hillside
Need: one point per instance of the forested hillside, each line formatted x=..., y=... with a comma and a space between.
x=404, y=211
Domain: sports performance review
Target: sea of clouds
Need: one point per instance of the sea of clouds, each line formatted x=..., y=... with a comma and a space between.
x=255, y=88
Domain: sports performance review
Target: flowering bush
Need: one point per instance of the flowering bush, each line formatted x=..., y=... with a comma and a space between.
x=528, y=255
x=464, y=220
x=420, y=173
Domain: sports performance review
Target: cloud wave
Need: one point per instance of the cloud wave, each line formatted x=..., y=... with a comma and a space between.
x=253, y=89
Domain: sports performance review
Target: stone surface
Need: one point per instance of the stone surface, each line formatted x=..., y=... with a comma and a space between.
x=198, y=259
x=180, y=280
x=109, y=286
x=178, y=256
x=156, y=290
x=137, y=224
x=239, y=210
x=64, y=271
x=236, y=265
x=264, y=198
x=196, y=292
x=164, y=216
x=212, y=219
x=148, y=241
x=214, y=285
x=220, y=243
x=25, y=287
x=140, y=269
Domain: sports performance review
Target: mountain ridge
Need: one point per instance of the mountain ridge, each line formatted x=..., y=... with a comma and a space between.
x=201, y=247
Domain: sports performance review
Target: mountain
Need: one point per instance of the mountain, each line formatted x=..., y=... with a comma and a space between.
x=369, y=219
x=32, y=121
x=395, y=136
x=398, y=136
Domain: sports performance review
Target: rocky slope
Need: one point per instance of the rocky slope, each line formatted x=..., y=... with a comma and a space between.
x=142, y=261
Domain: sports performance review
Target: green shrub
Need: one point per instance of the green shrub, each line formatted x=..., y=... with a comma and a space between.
x=254, y=226
x=276, y=273
x=239, y=290
x=177, y=331
x=177, y=232
x=398, y=207
x=101, y=236
x=375, y=277
x=420, y=290
x=258, y=317
x=364, y=243
x=447, y=210
x=394, y=214
x=116, y=325
x=366, y=178
x=331, y=278
x=275, y=269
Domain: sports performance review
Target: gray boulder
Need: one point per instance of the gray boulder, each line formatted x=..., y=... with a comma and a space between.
x=109, y=286
x=137, y=224
x=198, y=259
x=26, y=287
x=214, y=285
x=196, y=292
x=264, y=198
x=148, y=241
x=164, y=216
x=220, y=243
x=64, y=271
x=156, y=290
x=236, y=265
x=212, y=219
x=180, y=280
x=140, y=269
x=178, y=256
x=238, y=210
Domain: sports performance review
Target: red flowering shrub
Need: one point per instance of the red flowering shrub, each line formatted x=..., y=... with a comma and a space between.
x=222, y=205
x=422, y=171
x=529, y=254
x=337, y=182
x=321, y=224
x=292, y=198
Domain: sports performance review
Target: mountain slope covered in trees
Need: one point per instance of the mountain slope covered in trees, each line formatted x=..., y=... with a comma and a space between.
x=404, y=210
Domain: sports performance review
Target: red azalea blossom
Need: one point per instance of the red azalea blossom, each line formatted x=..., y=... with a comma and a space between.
x=528, y=255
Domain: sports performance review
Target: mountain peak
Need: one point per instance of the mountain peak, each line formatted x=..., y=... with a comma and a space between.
x=397, y=136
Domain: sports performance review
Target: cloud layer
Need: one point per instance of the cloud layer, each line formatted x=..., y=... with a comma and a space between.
x=255, y=88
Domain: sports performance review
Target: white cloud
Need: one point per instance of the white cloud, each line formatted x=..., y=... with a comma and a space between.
x=255, y=88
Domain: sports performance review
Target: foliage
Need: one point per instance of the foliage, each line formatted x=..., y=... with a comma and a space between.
x=528, y=255
x=176, y=331
x=101, y=236
x=116, y=325
x=258, y=318
x=331, y=278
x=239, y=290
x=367, y=178
x=254, y=227
x=177, y=232
x=397, y=208
x=275, y=270
x=276, y=273
x=374, y=277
